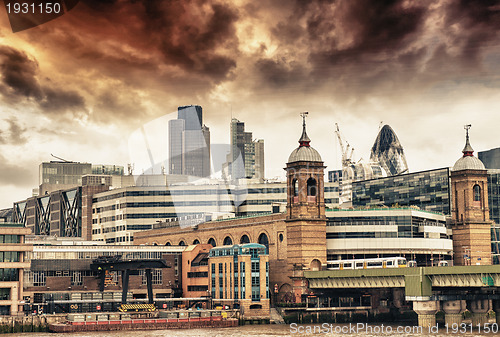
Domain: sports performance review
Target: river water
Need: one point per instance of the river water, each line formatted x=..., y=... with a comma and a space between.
x=344, y=330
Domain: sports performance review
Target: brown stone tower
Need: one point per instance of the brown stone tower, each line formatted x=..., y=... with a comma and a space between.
x=306, y=220
x=471, y=222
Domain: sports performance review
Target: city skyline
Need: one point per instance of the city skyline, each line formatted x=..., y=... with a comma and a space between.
x=78, y=86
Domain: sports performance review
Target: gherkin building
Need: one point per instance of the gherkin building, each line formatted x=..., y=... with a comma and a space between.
x=388, y=151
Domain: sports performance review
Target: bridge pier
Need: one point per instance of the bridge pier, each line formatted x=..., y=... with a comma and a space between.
x=453, y=311
x=426, y=311
x=479, y=310
x=496, y=307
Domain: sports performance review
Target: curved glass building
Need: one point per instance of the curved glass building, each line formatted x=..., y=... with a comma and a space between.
x=388, y=151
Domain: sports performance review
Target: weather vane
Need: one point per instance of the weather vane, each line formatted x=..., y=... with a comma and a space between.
x=467, y=127
x=304, y=115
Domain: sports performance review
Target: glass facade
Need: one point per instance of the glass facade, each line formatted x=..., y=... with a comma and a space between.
x=494, y=204
x=189, y=143
x=388, y=151
x=429, y=190
x=247, y=155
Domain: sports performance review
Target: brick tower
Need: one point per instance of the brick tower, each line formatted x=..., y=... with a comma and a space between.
x=471, y=222
x=306, y=220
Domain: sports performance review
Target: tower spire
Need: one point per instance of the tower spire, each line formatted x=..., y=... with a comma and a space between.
x=467, y=151
x=304, y=139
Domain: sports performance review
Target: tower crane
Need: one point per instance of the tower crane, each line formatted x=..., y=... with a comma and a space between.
x=347, y=150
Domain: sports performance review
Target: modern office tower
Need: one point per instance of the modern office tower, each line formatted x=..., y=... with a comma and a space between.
x=175, y=154
x=189, y=143
x=247, y=155
x=60, y=175
x=490, y=158
x=471, y=222
x=63, y=175
x=388, y=151
x=429, y=190
x=259, y=158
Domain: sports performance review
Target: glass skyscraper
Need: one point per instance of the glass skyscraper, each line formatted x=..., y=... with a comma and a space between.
x=189, y=143
x=247, y=155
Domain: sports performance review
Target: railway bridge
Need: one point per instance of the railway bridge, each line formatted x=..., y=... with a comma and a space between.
x=452, y=289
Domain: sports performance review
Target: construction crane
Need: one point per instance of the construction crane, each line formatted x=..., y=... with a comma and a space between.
x=347, y=150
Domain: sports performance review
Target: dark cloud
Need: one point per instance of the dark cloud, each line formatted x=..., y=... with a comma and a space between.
x=368, y=31
x=354, y=44
x=191, y=41
x=198, y=36
x=278, y=73
x=473, y=25
x=19, y=82
x=18, y=74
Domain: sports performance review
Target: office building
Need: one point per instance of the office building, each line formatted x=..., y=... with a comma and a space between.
x=239, y=277
x=428, y=190
x=189, y=143
x=60, y=175
x=417, y=235
x=195, y=271
x=494, y=205
x=388, y=151
x=490, y=158
x=13, y=261
x=63, y=175
x=63, y=213
x=246, y=159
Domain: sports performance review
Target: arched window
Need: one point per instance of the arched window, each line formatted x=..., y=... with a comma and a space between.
x=182, y=243
x=168, y=243
x=311, y=187
x=211, y=241
x=477, y=193
x=227, y=241
x=295, y=189
x=244, y=239
x=196, y=242
x=264, y=240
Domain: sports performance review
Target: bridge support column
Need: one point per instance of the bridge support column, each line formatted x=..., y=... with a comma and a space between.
x=453, y=311
x=496, y=307
x=479, y=310
x=426, y=311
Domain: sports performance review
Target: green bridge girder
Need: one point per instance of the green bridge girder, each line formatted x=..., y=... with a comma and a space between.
x=418, y=282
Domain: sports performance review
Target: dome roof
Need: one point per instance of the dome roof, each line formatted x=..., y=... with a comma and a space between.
x=468, y=161
x=304, y=152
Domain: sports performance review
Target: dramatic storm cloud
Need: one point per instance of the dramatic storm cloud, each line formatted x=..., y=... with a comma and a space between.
x=80, y=84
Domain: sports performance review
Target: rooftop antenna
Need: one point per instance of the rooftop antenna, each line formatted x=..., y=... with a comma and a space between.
x=64, y=160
